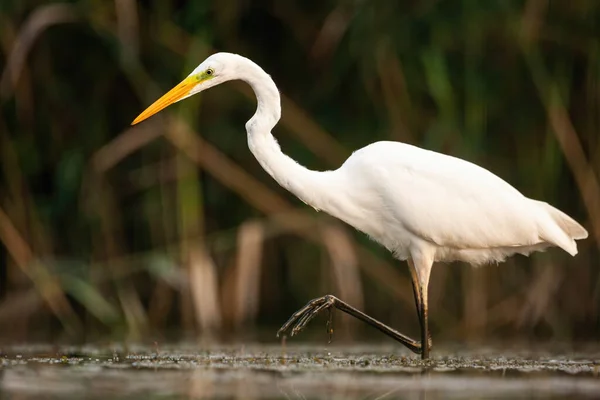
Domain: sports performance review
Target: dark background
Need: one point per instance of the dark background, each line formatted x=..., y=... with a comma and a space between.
x=171, y=230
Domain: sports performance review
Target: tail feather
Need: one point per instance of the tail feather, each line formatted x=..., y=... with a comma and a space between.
x=561, y=230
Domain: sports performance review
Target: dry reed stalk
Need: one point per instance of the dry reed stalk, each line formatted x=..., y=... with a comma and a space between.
x=251, y=236
x=344, y=266
x=329, y=36
x=42, y=278
x=39, y=20
x=475, y=302
x=126, y=143
x=128, y=29
x=533, y=18
x=582, y=171
x=24, y=98
x=204, y=287
x=540, y=294
x=499, y=314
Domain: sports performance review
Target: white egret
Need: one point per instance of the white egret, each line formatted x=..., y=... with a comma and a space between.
x=421, y=205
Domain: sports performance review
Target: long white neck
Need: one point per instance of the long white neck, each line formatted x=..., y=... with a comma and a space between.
x=306, y=184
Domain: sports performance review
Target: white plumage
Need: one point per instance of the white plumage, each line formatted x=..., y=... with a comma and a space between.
x=408, y=199
x=421, y=205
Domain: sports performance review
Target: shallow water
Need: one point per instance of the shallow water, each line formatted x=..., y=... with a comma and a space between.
x=293, y=372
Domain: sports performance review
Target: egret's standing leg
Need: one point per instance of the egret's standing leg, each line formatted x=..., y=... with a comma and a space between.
x=426, y=346
x=420, y=271
x=421, y=311
x=416, y=291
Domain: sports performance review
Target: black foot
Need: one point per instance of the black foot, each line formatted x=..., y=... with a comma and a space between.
x=303, y=316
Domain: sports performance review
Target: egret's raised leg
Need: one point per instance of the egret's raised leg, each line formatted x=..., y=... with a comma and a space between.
x=303, y=316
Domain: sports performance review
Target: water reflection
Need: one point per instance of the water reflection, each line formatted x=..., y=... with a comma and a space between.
x=65, y=383
x=302, y=374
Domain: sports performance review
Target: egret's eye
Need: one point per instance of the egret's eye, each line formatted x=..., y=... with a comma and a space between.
x=210, y=71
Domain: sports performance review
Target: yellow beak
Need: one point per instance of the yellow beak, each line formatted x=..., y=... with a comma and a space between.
x=172, y=96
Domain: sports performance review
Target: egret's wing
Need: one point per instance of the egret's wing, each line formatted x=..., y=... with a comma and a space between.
x=449, y=201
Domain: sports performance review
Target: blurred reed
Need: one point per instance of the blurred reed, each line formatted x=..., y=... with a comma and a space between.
x=171, y=227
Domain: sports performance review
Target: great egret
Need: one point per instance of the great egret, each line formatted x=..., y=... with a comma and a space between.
x=421, y=205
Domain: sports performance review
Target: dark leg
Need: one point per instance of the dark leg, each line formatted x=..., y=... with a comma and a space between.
x=425, y=329
x=420, y=269
x=416, y=291
x=422, y=314
x=420, y=292
x=303, y=316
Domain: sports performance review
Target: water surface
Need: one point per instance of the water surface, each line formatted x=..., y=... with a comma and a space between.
x=293, y=372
